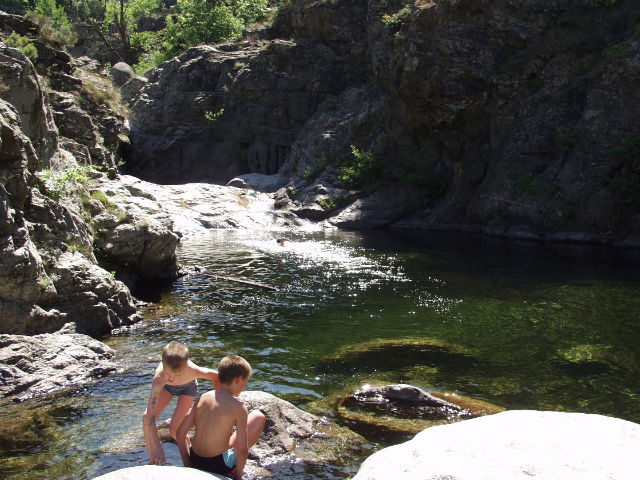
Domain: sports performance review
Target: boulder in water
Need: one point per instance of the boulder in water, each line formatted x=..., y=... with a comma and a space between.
x=514, y=445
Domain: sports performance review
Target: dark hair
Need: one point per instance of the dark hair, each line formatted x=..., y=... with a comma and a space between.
x=231, y=367
x=175, y=355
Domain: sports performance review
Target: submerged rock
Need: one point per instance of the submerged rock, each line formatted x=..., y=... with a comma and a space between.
x=514, y=445
x=396, y=411
x=33, y=365
x=395, y=354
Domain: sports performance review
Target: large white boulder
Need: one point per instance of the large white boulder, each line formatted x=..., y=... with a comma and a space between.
x=155, y=472
x=516, y=444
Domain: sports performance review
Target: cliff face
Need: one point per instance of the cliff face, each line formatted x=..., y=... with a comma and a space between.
x=56, y=132
x=515, y=119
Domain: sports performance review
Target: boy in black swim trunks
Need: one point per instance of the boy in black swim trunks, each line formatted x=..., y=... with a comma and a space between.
x=175, y=376
x=215, y=447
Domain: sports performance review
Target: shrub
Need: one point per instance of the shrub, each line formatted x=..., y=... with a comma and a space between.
x=23, y=44
x=394, y=22
x=364, y=165
x=58, y=184
x=17, y=7
x=54, y=24
x=311, y=173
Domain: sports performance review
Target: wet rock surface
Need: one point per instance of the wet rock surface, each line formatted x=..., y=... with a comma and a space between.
x=399, y=411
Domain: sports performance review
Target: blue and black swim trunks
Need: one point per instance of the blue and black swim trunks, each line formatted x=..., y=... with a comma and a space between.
x=221, y=464
x=189, y=389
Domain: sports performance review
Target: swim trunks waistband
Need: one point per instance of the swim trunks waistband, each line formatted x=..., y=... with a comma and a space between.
x=221, y=464
x=189, y=389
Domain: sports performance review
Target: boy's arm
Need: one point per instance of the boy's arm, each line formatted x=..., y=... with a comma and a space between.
x=151, y=438
x=181, y=435
x=208, y=373
x=241, y=446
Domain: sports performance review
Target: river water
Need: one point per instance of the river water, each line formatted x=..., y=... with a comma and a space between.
x=517, y=324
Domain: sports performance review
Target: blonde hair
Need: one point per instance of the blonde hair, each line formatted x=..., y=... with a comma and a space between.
x=231, y=367
x=175, y=356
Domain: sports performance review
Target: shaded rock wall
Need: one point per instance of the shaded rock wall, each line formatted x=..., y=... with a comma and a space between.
x=518, y=120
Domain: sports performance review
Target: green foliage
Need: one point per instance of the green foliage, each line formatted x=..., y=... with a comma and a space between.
x=54, y=24
x=195, y=22
x=23, y=44
x=330, y=204
x=249, y=11
x=138, y=9
x=77, y=246
x=365, y=165
x=17, y=7
x=58, y=184
x=200, y=22
x=394, y=22
x=311, y=173
x=213, y=116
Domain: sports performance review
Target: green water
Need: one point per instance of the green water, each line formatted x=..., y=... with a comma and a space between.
x=517, y=324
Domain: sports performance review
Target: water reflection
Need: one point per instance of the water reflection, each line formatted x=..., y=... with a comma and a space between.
x=518, y=324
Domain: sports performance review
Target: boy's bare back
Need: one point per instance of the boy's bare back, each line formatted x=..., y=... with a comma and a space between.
x=215, y=414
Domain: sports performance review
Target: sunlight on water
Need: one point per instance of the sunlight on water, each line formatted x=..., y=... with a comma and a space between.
x=515, y=324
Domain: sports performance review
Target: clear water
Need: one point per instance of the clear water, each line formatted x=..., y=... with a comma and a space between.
x=517, y=324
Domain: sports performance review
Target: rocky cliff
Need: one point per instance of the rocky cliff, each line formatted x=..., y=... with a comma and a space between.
x=59, y=255
x=517, y=119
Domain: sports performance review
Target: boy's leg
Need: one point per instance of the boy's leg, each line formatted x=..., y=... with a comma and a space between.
x=182, y=408
x=255, y=426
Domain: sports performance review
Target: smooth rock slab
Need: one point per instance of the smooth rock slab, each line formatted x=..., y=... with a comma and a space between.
x=517, y=444
x=155, y=472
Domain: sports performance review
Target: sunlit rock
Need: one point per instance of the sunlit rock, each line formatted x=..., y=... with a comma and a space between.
x=155, y=472
x=32, y=365
x=397, y=411
x=514, y=445
x=196, y=208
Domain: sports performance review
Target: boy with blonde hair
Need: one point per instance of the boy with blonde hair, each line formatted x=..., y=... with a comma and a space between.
x=215, y=446
x=174, y=376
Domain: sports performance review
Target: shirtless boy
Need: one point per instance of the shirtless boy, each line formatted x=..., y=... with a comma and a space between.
x=175, y=376
x=215, y=447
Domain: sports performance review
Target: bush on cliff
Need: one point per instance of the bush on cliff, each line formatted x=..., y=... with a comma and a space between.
x=54, y=23
x=23, y=44
x=196, y=22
